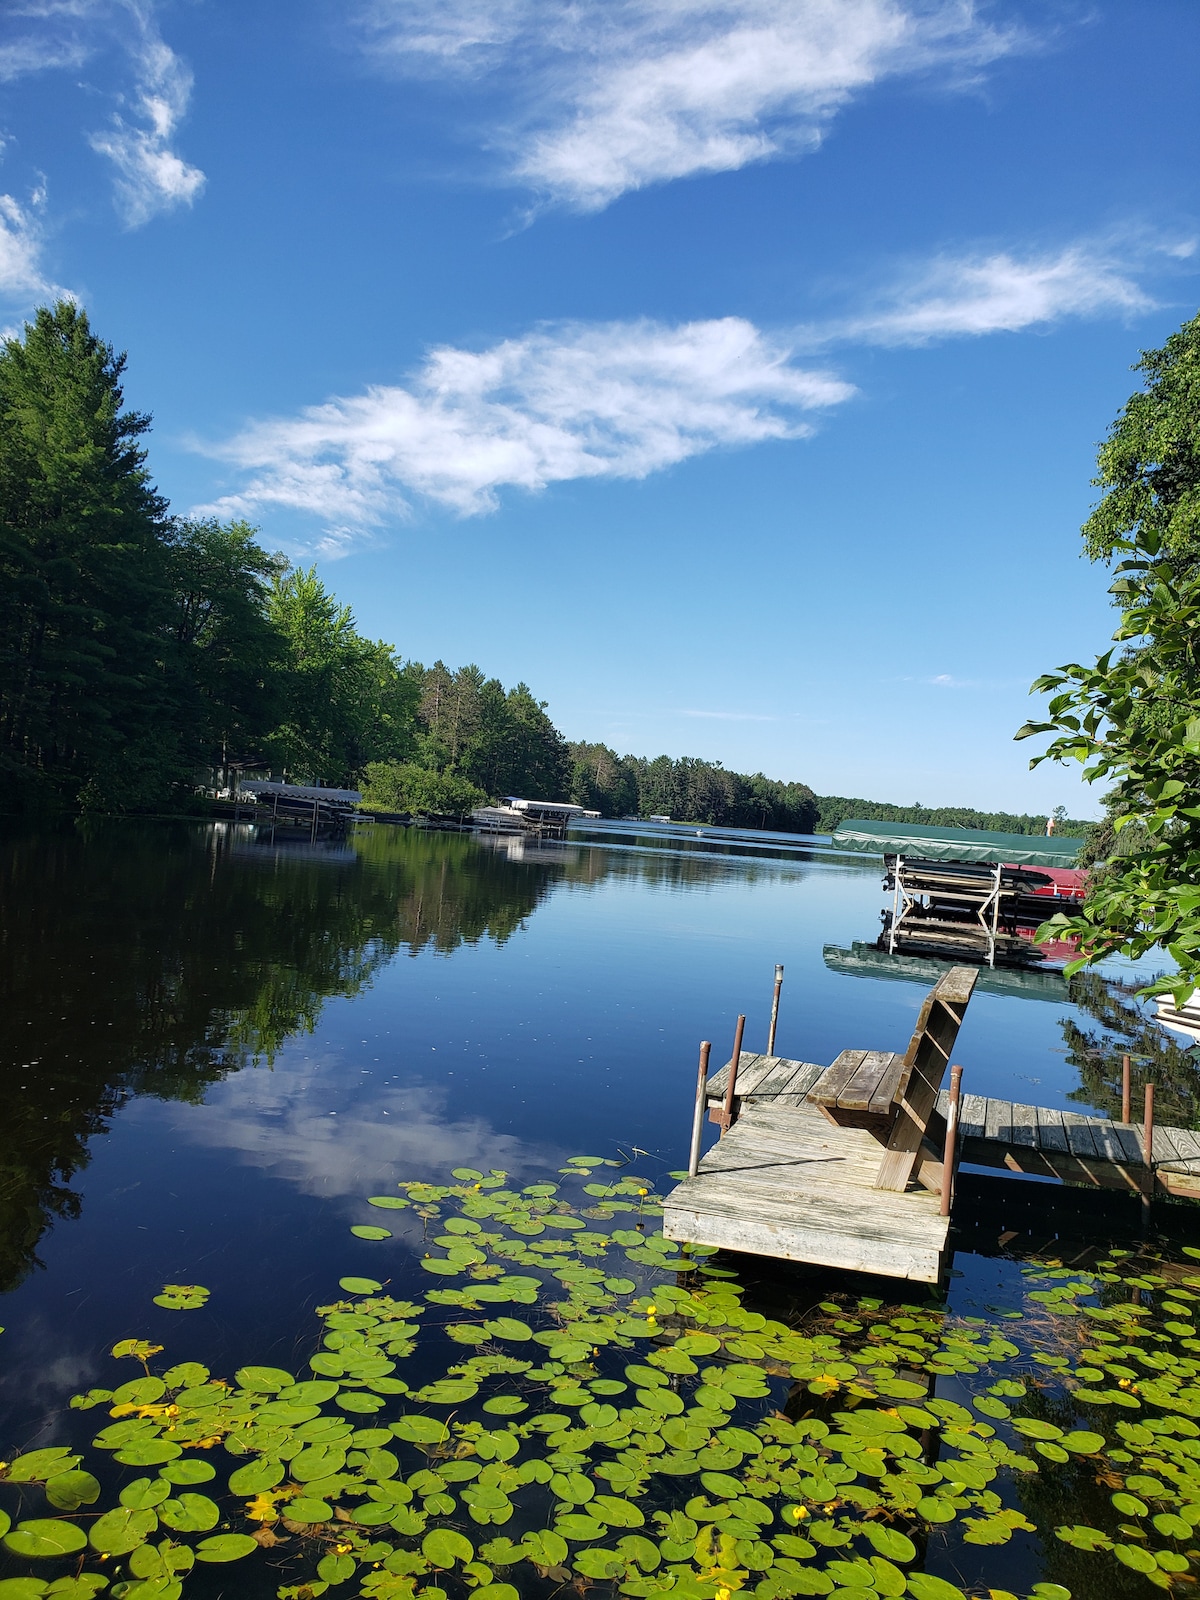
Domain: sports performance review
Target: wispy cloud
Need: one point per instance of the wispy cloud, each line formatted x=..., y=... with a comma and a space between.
x=969, y=294
x=140, y=140
x=612, y=95
x=151, y=175
x=730, y=716
x=22, y=276
x=610, y=400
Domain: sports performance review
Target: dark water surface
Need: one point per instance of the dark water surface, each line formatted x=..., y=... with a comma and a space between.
x=212, y=1047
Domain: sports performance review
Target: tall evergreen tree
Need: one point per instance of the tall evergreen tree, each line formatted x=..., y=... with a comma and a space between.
x=86, y=687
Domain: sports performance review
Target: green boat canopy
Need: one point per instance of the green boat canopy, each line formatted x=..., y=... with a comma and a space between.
x=1025, y=983
x=956, y=844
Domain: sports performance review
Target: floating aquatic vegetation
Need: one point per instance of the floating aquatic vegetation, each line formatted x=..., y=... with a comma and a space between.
x=609, y=1412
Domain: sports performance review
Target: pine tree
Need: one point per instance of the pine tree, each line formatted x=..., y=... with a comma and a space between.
x=87, y=680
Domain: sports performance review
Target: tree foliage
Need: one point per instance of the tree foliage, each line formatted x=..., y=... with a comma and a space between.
x=403, y=786
x=1133, y=717
x=85, y=682
x=346, y=700
x=236, y=658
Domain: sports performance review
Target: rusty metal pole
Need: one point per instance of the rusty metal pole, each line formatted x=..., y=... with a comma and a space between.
x=775, y=1009
x=951, y=1138
x=701, y=1105
x=735, y=1058
x=1126, y=1108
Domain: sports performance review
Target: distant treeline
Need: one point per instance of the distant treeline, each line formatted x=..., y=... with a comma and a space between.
x=833, y=809
x=687, y=789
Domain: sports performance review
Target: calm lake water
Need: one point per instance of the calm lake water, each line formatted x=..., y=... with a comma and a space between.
x=215, y=1046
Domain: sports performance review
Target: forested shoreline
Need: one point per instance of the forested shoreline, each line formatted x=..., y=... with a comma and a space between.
x=145, y=657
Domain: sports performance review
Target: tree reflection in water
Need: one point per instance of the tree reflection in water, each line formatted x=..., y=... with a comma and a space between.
x=144, y=960
x=1157, y=1055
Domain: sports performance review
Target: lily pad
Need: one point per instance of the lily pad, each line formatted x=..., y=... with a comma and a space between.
x=226, y=1547
x=365, y=1230
x=43, y=1537
x=182, y=1296
x=264, y=1380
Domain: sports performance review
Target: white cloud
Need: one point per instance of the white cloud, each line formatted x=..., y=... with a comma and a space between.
x=43, y=34
x=970, y=295
x=612, y=95
x=22, y=278
x=730, y=716
x=614, y=400
x=151, y=175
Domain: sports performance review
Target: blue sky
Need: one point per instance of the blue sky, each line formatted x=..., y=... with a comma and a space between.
x=730, y=372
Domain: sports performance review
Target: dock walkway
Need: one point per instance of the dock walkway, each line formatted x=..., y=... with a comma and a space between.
x=784, y=1181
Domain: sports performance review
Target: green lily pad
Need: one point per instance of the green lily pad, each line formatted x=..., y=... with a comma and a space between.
x=1082, y=1442
x=189, y=1513
x=308, y=1508
x=43, y=1537
x=226, y=1547
x=256, y=1476
x=365, y=1230
x=1035, y=1428
x=421, y=1430
x=448, y=1391
x=121, y=1530
x=444, y=1547
x=264, y=1380
x=575, y=1526
x=36, y=1466
x=188, y=1471
x=507, y=1328
x=182, y=1296
x=67, y=1491
x=356, y=1286
x=505, y=1405
x=147, y=1452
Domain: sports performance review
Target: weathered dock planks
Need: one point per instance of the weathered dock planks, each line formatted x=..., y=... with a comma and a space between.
x=784, y=1182
x=1005, y=1133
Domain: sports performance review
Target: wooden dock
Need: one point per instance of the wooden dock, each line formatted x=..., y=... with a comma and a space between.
x=842, y=1166
x=784, y=1182
x=1004, y=1133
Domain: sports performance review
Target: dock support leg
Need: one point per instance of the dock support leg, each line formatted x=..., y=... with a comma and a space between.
x=698, y=1114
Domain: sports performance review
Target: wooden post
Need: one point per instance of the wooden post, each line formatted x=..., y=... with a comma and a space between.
x=1148, y=1129
x=951, y=1139
x=698, y=1115
x=1126, y=1110
x=727, y=1109
x=774, y=1010
x=1148, y=1152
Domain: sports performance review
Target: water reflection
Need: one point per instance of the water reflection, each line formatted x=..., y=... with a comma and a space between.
x=155, y=961
x=1123, y=1028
